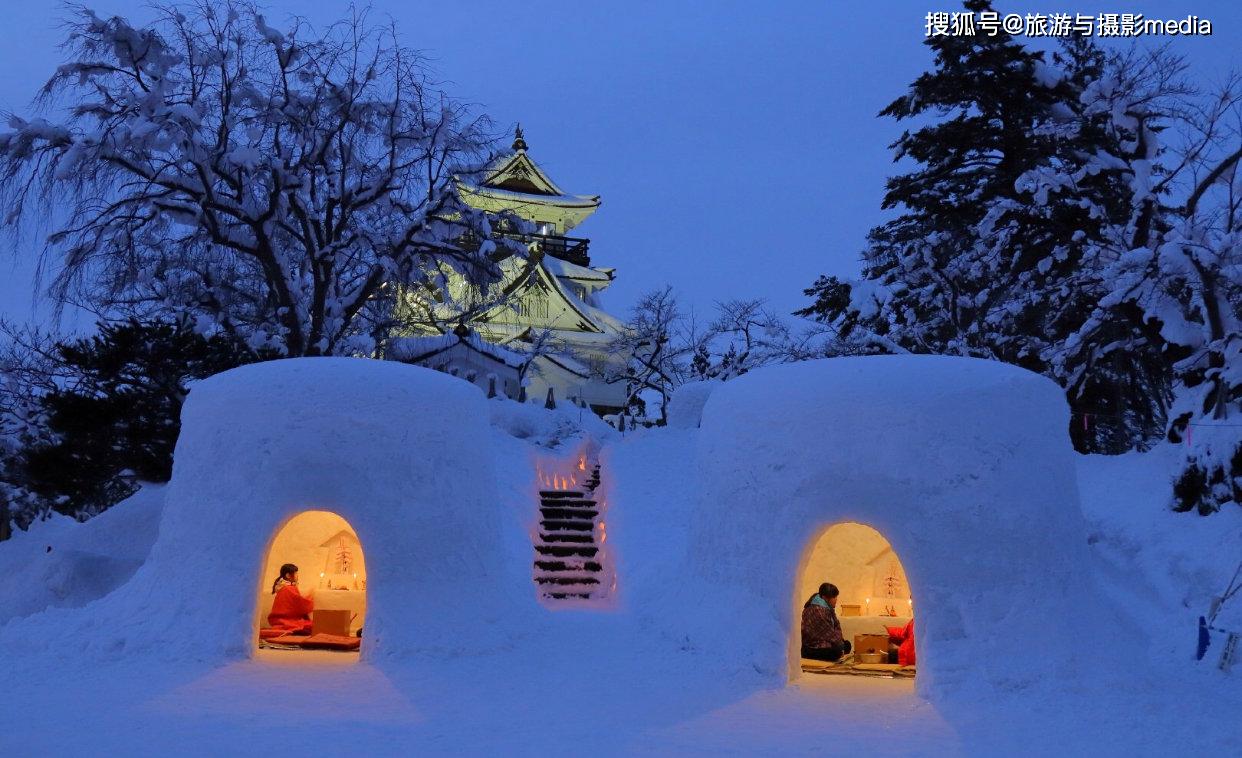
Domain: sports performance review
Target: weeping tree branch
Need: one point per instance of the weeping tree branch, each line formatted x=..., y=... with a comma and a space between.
x=264, y=181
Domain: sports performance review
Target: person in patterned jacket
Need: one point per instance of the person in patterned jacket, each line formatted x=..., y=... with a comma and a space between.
x=821, y=629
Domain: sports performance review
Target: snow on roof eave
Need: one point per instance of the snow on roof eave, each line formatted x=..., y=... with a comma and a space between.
x=515, y=332
x=511, y=331
x=432, y=346
x=604, y=321
x=570, y=365
x=613, y=324
x=520, y=165
x=558, y=201
x=587, y=312
x=581, y=309
x=567, y=270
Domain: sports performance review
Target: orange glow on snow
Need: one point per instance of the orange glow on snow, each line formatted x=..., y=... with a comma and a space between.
x=557, y=482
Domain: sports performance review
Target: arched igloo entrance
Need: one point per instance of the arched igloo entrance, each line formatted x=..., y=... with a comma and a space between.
x=331, y=573
x=875, y=605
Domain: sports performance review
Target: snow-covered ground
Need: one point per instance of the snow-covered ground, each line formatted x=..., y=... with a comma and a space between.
x=76, y=681
x=598, y=698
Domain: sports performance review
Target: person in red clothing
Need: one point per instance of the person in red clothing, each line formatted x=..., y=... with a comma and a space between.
x=290, y=610
x=901, y=644
x=905, y=653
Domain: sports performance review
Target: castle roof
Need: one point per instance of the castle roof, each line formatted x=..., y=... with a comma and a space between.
x=515, y=183
x=419, y=349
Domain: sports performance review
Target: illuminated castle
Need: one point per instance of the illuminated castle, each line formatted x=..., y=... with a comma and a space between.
x=559, y=293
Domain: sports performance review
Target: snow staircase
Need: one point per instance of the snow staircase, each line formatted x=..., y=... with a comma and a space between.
x=568, y=559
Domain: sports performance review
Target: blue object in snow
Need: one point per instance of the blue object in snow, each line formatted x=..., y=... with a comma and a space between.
x=1205, y=639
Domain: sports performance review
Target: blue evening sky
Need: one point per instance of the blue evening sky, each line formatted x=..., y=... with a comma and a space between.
x=735, y=144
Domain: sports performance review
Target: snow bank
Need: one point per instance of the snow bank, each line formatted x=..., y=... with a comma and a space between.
x=1161, y=568
x=544, y=428
x=402, y=453
x=61, y=563
x=963, y=465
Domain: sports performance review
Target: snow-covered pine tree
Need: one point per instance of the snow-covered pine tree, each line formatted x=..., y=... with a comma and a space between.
x=281, y=186
x=930, y=280
x=27, y=373
x=1110, y=181
x=112, y=416
x=1173, y=267
x=978, y=263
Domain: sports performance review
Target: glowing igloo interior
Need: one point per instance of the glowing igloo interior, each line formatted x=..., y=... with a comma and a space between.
x=875, y=592
x=330, y=564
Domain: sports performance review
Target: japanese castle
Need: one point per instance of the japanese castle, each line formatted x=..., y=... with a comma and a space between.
x=558, y=299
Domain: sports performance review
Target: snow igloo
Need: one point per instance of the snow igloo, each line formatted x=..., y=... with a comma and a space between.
x=962, y=466
x=308, y=461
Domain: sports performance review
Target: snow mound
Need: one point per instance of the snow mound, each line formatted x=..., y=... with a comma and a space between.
x=543, y=427
x=401, y=452
x=963, y=465
x=61, y=563
x=1157, y=562
x=685, y=410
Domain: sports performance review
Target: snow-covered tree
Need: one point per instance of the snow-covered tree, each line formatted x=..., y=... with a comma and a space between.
x=752, y=336
x=939, y=271
x=82, y=420
x=114, y=418
x=539, y=343
x=667, y=347
x=745, y=334
x=27, y=373
x=280, y=185
x=656, y=343
x=1175, y=267
x=978, y=262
